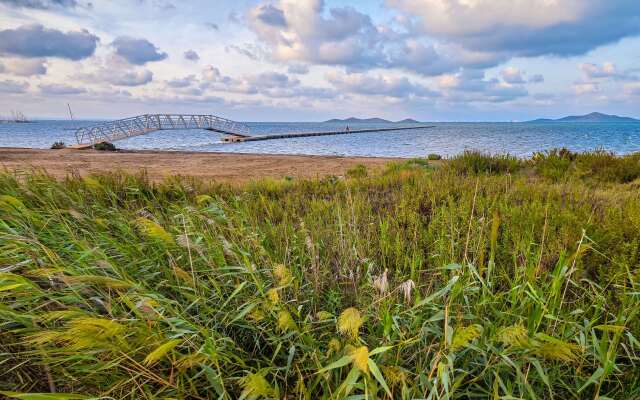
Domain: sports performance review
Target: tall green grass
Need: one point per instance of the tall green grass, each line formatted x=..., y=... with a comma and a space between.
x=453, y=282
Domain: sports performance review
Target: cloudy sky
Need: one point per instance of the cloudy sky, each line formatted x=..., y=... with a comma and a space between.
x=305, y=60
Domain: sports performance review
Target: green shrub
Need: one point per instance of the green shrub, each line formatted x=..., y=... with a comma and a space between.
x=597, y=165
x=476, y=162
x=105, y=146
x=434, y=157
x=359, y=171
x=414, y=164
x=58, y=146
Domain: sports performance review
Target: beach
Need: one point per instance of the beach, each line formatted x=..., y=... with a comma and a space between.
x=158, y=165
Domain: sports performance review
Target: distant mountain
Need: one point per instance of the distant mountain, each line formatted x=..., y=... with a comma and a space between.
x=353, y=120
x=593, y=117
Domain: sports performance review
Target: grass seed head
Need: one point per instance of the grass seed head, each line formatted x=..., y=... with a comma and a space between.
x=255, y=386
x=286, y=322
x=153, y=230
x=349, y=322
x=360, y=358
x=514, y=335
x=463, y=336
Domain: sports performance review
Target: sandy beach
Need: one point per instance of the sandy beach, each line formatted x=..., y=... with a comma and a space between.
x=161, y=164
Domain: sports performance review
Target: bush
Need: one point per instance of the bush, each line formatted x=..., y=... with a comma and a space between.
x=476, y=162
x=599, y=165
x=434, y=157
x=409, y=165
x=58, y=145
x=359, y=171
x=105, y=146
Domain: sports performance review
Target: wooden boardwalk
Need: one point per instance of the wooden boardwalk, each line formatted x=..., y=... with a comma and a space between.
x=233, y=138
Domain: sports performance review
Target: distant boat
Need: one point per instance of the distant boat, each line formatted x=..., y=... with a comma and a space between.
x=16, y=117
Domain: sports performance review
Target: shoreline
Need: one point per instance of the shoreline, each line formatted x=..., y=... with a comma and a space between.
x=160, y=164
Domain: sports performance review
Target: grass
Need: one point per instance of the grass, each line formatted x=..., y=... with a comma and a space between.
x=488, y=277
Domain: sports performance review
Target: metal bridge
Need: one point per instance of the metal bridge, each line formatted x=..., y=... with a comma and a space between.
x=235, y=131
x=142, y=124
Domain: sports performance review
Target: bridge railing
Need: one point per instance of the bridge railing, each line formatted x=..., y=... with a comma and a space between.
x=128, y=127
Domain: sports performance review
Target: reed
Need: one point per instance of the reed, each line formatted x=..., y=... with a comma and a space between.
x=482, y=278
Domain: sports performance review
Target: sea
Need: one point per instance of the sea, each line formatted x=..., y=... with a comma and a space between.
x=446, y=139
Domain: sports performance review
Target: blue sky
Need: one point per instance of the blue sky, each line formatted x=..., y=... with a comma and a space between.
x=305, y=60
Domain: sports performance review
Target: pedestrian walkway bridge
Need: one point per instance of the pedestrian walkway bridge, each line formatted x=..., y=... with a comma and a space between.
x=234, y=131
x=143, y=124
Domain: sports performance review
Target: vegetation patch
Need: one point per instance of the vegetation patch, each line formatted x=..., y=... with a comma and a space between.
x=490, y=277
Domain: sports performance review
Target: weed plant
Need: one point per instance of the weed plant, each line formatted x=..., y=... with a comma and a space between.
x=489, y=277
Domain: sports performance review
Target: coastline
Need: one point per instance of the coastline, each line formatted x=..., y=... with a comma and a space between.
x=159, y=164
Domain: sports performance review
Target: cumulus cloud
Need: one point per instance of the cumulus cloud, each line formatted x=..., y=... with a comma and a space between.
x=309, y=33
x=608, y=70
x=525, y=27
x=298, y=69
x=191, y=55
x=130, y=78
x=381, y=85
x=117, y=72
x=299, y=30
x=15, y=87
x=474, y=86
x=60, y=89
x=36, y=41
x=512, y=75
x=270, y=15
x=272, y=80
x=24, y=66
x=40, y=4
x=582, y=88
x=182, y=82
x=137, y=51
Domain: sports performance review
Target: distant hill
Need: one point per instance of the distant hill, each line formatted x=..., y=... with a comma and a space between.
x=593, y=117
x=353, y=120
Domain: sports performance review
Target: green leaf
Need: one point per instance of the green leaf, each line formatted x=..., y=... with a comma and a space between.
x=161, y=351
x=541, y=372
x=336, y=364
x=439, y=293
x=44, y=396
x=375, y=371
x=379, y=350
x=347, y=386
x=595, y=377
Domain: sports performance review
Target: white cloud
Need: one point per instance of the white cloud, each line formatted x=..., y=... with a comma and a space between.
x=24, y=66
x=382, y=85
x=9, y=86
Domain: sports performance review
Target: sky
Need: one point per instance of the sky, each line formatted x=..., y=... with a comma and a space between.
x=310, y=60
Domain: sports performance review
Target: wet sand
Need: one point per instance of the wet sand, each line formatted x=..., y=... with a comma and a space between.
x=225, y=167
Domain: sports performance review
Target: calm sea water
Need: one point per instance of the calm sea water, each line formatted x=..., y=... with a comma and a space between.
x=521, y=139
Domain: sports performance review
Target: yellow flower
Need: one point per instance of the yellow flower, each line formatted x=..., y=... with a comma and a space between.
x=349, y=322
